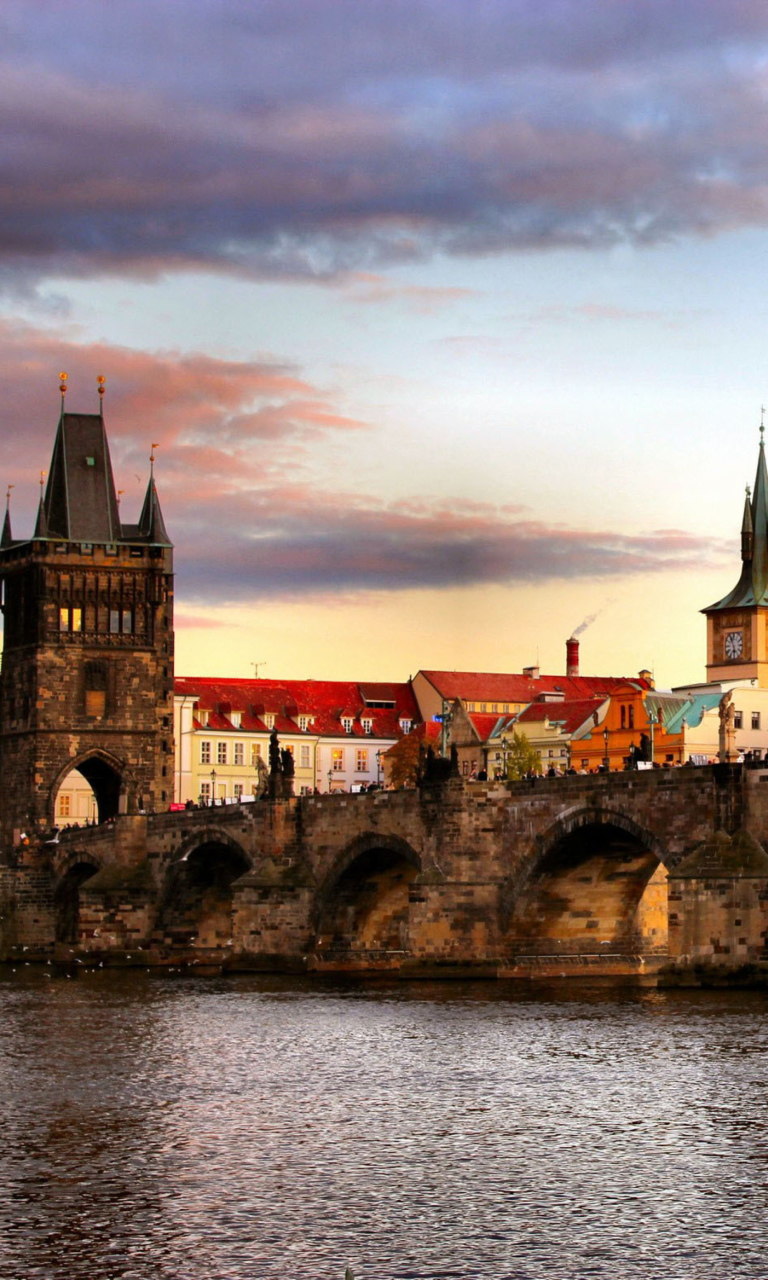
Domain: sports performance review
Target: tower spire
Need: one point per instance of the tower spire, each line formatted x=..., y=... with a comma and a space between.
x=151, y=523
x=7, y=537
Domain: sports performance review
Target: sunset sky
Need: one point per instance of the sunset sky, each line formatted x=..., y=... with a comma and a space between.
x=450, y=318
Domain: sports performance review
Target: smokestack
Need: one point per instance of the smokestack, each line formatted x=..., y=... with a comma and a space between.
x=572, y=658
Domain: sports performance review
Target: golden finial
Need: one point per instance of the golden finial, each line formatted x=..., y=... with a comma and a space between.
x=42, y=481
x=63, y=383
x=120, y=493
x=8, y=495
x=101, y=384
x=156, y=445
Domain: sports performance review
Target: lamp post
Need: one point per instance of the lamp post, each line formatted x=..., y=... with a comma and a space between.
x=378, y=767
x=505, y=748
x=330, y=779
x=213, y=786
x=607, y=757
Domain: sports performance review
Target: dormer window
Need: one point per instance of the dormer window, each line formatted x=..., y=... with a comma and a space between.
x=347, y=723
x=304, y=723
x=367, y=724
x=405, y=725
x=202, y=717
x=235, y=717
x=269, y=720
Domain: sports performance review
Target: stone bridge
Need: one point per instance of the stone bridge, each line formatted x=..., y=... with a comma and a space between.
x=627, y=873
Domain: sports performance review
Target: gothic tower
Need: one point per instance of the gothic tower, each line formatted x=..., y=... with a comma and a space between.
x=737, y=626
x=87, y=674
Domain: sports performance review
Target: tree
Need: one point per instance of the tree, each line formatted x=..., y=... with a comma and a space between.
x=521, y=758
x=402, y=761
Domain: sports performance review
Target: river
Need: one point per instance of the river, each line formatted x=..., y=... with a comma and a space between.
x=161, y=1127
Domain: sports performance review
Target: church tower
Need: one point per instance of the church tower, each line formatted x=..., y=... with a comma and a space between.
x=737, y=626
x=87, y=674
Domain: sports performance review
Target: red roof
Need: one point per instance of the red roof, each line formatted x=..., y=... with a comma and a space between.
x=323, y=701
x=570, y=715
x=483, y=686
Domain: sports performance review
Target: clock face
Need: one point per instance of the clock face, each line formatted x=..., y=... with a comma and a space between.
x=734, y=643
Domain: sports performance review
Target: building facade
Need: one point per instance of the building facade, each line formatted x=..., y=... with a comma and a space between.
x=336, y=731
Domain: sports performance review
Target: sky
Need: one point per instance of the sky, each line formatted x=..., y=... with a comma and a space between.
x=448, y=316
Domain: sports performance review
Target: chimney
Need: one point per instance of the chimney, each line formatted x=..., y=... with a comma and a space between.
x=648, y=677
x=572, y=658
x=531, y=673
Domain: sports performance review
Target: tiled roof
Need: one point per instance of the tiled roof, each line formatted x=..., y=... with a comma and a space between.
x=324, y=701
x=483, y=686
x=569, y=715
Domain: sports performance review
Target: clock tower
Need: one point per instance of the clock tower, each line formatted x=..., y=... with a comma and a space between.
x=737, y=626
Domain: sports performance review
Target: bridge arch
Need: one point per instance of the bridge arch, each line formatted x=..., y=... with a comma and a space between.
x=196, y=907
x=362, y=908
x=109, y=778
x=73, y=872
x=595, y=883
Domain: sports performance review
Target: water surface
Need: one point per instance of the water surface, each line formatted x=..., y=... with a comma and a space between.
x=260, y=1129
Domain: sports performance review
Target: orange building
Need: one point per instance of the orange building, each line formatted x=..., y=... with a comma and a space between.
x=634, y=718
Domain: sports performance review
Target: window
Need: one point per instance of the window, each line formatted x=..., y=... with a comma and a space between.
x=237, y=790
x=269, y=720
x=221, y=753
x=631, y=717
x=127, y=621
x=205, y=753
x=304, y=723
x=65, y=806
x=494, y=706
x=205, y=790
x=70, y=618
x=623, y=717
x=255, y=754
x=361, y=765
x=465, y=767
x=482, y=706
x=755, y=719
x=738, y=720
x=367, y=724
x=239, y=753
x=346, y=724
x=304, y=759
x=405, y=725
x=470, y=706
x=337, y=760
x=95, y=703
x=505, y=707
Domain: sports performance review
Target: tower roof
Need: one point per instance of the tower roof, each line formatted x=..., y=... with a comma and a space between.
x=752, y=587
x=80, y=501
x=151, y=523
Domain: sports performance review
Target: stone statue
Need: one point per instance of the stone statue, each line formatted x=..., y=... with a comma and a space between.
x=727, y=739
x=286, y=760
x=275, y=762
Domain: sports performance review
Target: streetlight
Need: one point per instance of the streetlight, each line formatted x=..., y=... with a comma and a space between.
x=607, y=758
x=330, y=779
x=505, y=749
x=213, y=786
x=378, y=767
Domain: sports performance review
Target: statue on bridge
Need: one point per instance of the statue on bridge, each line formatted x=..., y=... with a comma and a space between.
x=281, y=770
x=727, y=739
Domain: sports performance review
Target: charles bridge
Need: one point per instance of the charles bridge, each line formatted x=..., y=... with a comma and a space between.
x=629, y=873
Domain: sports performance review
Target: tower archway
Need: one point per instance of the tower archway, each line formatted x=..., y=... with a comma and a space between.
x=95, y=786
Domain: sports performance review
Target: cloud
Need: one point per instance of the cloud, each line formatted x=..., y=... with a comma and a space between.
x=303, y=140
x=246, y=498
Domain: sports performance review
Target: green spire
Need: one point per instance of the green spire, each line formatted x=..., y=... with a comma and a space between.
x=752, y=587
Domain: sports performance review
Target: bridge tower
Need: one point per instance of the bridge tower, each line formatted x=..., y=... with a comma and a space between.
x=87, y=674
x=737, y=625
